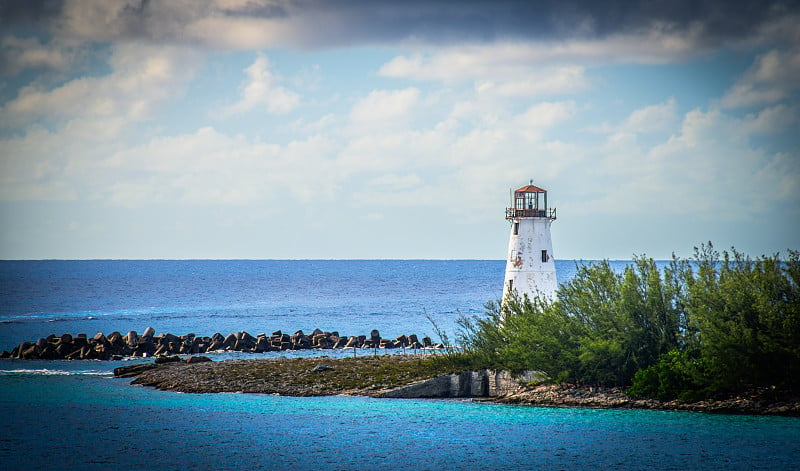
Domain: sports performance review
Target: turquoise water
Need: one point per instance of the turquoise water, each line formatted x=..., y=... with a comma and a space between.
x=70, y=419
x=74, y=415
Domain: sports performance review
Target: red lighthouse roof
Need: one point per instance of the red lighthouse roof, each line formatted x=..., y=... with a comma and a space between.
x=530, y=189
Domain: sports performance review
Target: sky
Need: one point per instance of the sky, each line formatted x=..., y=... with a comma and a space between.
x=339, y=129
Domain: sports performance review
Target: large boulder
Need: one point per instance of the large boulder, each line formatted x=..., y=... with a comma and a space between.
x=375, y=336
x=262, y=345
x=116, y=340
x=132, y=338
x=229, y=342
x=30, y=353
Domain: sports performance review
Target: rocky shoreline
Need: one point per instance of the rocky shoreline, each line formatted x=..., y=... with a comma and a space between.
x=417, y=376
x=115, y=346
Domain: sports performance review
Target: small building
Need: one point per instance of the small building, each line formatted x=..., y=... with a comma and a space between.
x=530, y=265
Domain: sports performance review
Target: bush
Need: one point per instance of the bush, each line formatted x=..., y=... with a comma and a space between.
x=700, y=327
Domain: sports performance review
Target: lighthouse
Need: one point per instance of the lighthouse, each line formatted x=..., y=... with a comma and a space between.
x=530, y=265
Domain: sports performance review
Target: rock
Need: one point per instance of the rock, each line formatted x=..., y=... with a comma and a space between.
x=66, y=338
x=426, y=342
x=145, y=346
x=277, y=334
x=149, y=333
x=132, y=370
x=229, y=341
x=115, y=339
x=197, y=359
x=165, y=359
x=262, y=345
x=317, y=332
x=29, y=353
x=75, y=355
x=132, y=338
x=352, y=342
x=320, y=368
x=375, y=336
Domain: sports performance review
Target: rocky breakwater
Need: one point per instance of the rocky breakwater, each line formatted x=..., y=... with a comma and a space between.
x=115, y=345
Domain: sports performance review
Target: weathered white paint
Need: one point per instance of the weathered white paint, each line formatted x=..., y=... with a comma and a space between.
x=525, y=271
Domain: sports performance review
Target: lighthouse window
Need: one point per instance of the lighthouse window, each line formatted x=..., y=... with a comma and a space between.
x=516, y=228
x=544, y=256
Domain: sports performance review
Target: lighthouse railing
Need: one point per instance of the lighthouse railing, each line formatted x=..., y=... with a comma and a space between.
x=513, y=213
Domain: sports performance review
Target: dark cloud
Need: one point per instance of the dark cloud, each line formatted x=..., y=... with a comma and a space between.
x=323, y=23
x=489, y=20
x=13, y=12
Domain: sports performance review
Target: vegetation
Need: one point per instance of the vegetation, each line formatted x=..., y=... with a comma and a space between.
x=710, y=325
x=313, y=376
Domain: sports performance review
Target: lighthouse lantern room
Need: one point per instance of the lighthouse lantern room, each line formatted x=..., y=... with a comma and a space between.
x=530, y=266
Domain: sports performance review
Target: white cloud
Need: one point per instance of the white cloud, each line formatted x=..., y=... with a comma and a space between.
x=548, y=81
x=385, y=106
x=394, y=181
x=511, y=60
x=260, y=90
x=545, y=115
x=653, y=118
x=142, y=77
x=771, y=120
x=706, y=170
x=771, y=78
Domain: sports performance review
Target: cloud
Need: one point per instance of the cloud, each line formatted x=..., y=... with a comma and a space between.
x=382, y=107
x=653, y=118
x=21, y=53
x=256, y=24
x=259, y=90
x=512, y=59
x=771, y=78
x=142, y=77
x=707, y=167
x=772, y=120
x=548, y=81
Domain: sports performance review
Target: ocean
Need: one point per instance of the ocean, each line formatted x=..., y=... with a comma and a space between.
x=75, y=415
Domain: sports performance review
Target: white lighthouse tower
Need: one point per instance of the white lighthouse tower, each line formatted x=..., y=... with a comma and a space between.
x=530, y=266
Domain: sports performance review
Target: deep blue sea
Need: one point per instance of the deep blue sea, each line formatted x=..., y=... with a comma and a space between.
x=74, y=415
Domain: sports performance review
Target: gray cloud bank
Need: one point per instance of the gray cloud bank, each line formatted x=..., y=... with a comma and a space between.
x=318, y=24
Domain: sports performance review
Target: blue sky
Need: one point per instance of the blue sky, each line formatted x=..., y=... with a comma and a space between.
x=355, y=129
